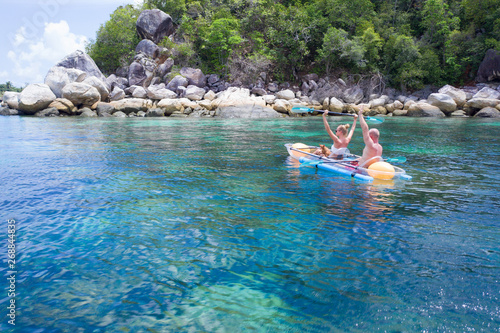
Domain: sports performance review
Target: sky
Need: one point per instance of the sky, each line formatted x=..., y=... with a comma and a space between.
x=37, y=34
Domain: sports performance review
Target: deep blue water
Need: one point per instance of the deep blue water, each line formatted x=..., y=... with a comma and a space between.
x=203, y=225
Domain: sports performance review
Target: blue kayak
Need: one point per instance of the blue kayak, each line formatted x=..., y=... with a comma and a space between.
x=347, y=166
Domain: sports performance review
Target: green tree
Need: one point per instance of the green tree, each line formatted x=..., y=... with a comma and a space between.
x=116, y=40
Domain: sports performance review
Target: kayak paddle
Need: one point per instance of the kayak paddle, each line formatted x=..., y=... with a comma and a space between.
x=399, y=159
x=303, y=109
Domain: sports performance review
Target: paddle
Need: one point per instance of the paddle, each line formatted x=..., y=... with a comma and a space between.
x=303, y=109
x=399, y=159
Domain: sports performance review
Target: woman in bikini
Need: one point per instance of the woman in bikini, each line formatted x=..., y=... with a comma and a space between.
x=340, y=138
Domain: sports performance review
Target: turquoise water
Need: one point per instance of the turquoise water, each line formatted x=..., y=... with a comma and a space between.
x=203, y=225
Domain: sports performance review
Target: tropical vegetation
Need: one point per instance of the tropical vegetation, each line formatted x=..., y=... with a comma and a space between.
x=410, y=43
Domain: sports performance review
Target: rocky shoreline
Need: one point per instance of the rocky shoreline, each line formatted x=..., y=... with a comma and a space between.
x=148, y=88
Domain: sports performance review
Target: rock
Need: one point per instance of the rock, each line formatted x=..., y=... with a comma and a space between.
x=286, y=94
x=489, y=69
x=194, y=93
x=88, y=113
x=116, y=94
x=165, y=67
x=237, y=103
x=170, y=105
x=35, y=97
x=353, y=95
x=381, y=101
x=6, y=111
x=458, y=113
x=176, y=82
x=48, y=112
x=336, y=105
x=157, y=112
x=82, y=61
x=488, y=112
x=379, y=110
x=272, y=87
x=194, y=76
x=148, y=48
x=129, y=105
x=81, y=94
x=105, y=109
x=153, y=24
x=136, y=74
x=139, y=92
x=399, y=112
x=11, y=99
x=206, y=104
x=258, y=91
x=269, y=99
x=159, y=92
x=487, y=92
x=459, y=96
x=120, y=114
x=64, y=105
x=59, y=76
x=282, y=106
x=422, y=109
x=99, y=85
x=443, y=101
x=210, y=95
x=115, y=81
x=481, y=103
x=187, y=103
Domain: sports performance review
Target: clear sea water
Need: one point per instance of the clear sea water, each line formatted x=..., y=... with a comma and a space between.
x=205, y=225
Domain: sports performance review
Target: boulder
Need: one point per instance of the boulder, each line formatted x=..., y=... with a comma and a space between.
x=269, y=99
x=35, y=97
x=237, y=103
x=206, y=104
x=121, y=114
x=489, y=69
x=481, y=103
x=399, y=112
x=87, y=113
x=105, y=109
x=116, y=94
x=194, y=93
x=487, y=92
x=353, y=95
x=459, y=96
x=11, y=99
x=99, y=85
x=176, y=82
x=154, y=24
x=443, y=101
x=81, y=94
x=136, y=74
x=159, y=92
x=116, y=81
x=59, y=76
x=129, y=105
x=64, y=105
x=165, y=67
x=170, y=105
x=187, y=103
x=286, y=94
x=282, y=106
x=6, y=111
x=458, y=113
x=422, y=109
x=139, y=92
x=156, y=112
x=488, y=112
x=48, y=112
x=194, y=76
x=82, y=61
x=336, y=105
x=272, y=87
x=258, y=91
x=210, y=95
x=148, y=48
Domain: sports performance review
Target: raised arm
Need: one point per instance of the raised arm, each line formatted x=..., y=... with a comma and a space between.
x=364, y=128
x=351, y=132
x=327, y=127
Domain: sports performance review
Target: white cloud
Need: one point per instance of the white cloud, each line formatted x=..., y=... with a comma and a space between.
x=33, y=57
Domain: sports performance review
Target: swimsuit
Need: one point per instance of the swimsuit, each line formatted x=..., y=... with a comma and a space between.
x=339, y=152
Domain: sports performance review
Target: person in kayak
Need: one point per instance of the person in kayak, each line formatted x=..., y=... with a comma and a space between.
x=341, y=139
x=372, y=148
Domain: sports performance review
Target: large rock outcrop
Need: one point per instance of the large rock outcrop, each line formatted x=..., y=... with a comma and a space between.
x=82, y=61
x=35, y=97
x=154, y=24
x=59, y=76
x=489, y=70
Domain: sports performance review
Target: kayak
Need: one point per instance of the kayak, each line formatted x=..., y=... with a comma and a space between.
x=348, y=166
